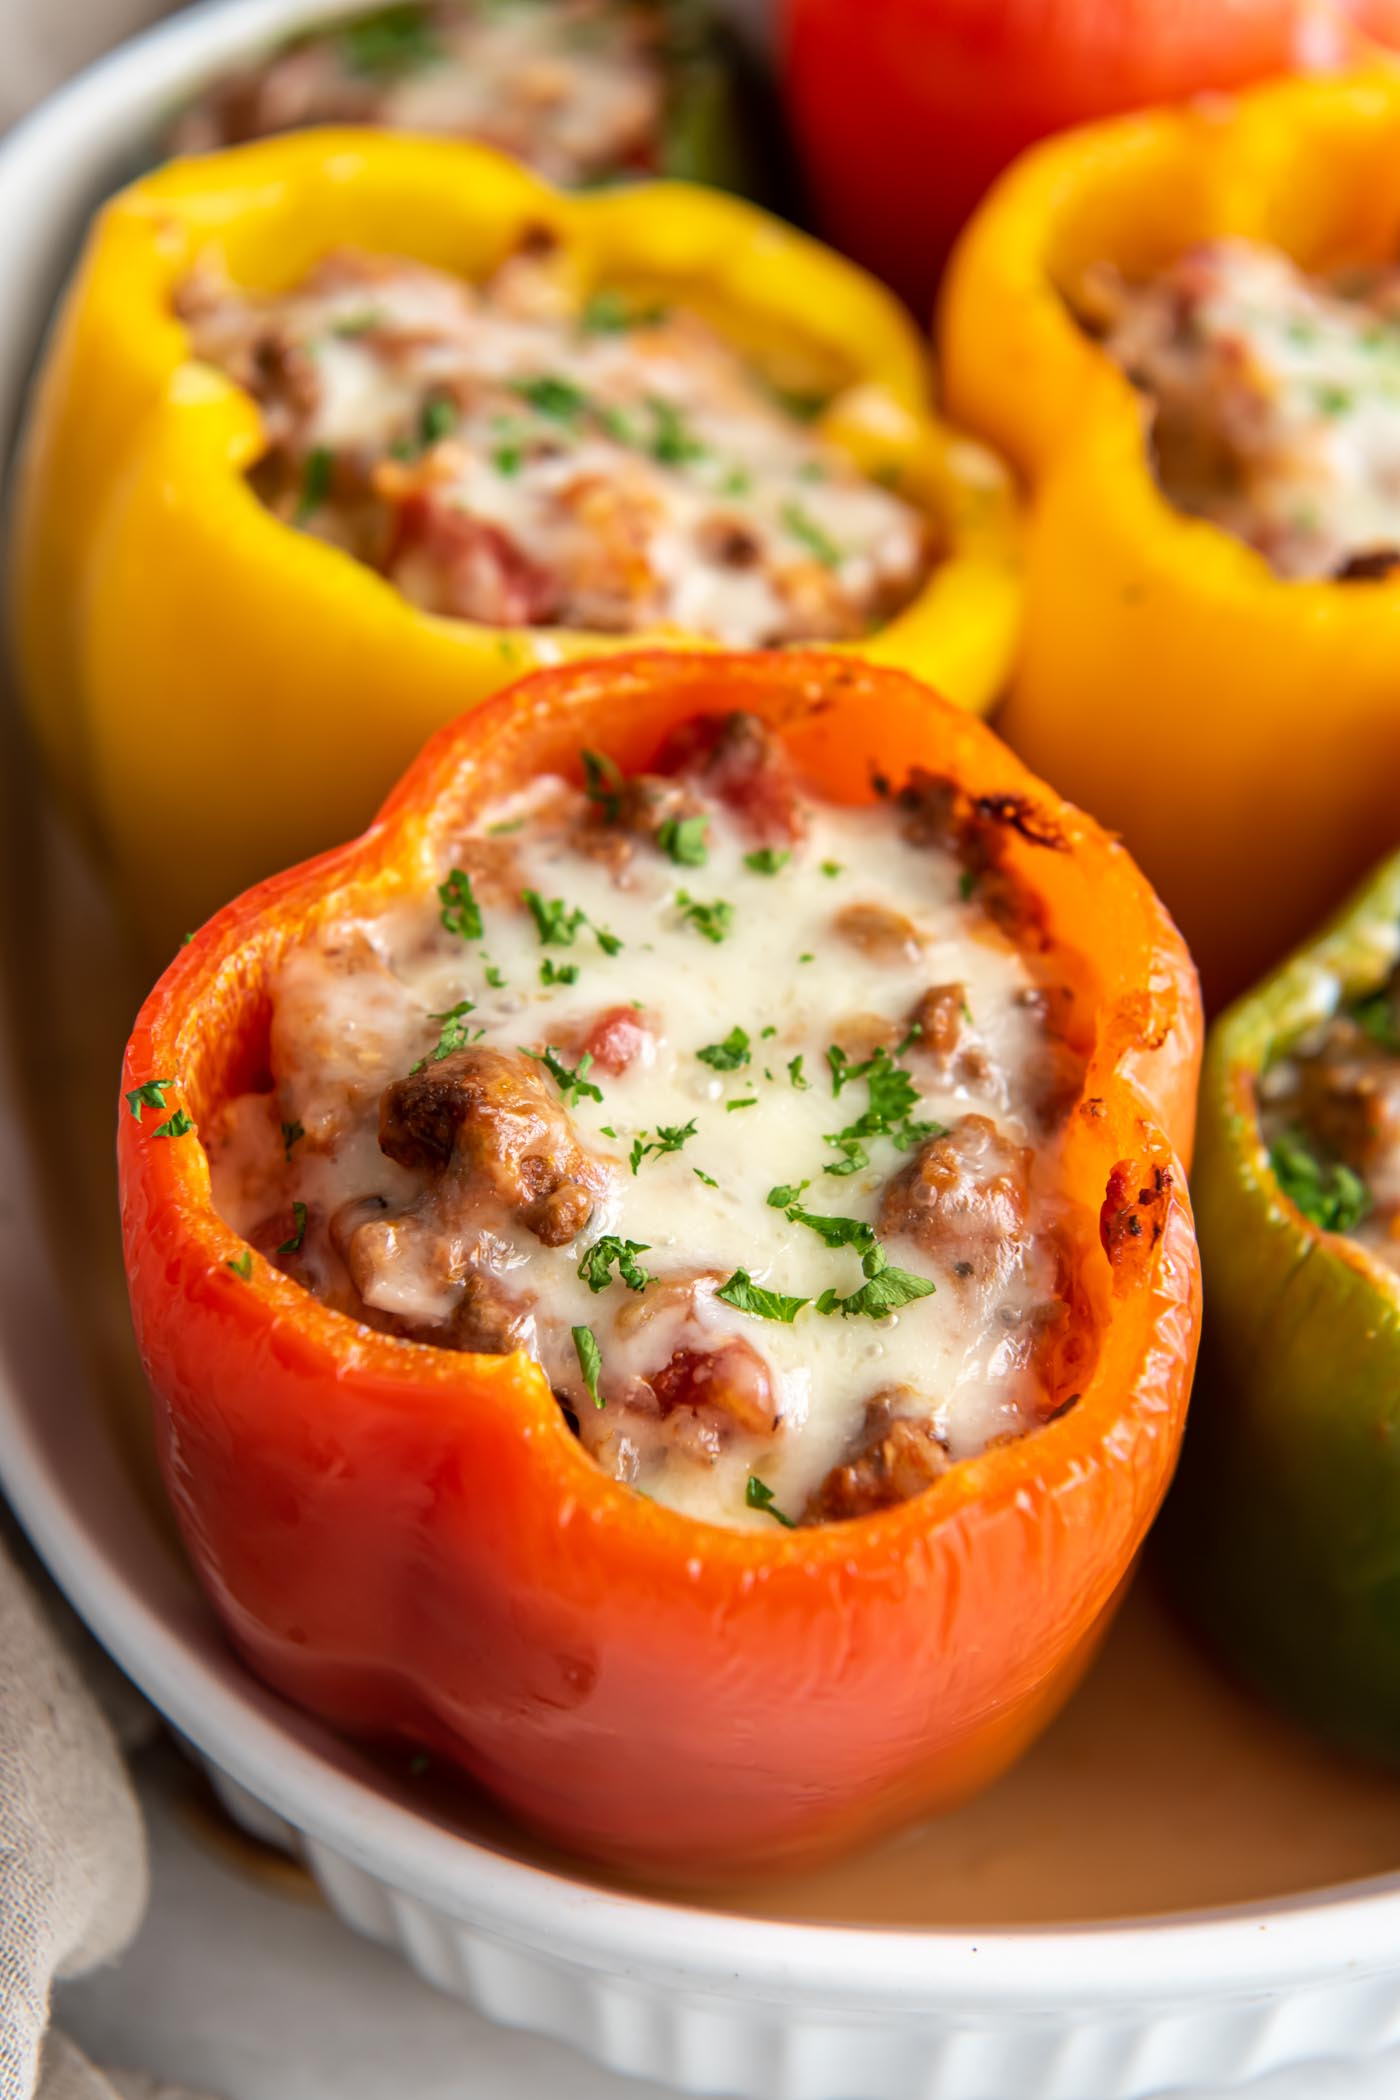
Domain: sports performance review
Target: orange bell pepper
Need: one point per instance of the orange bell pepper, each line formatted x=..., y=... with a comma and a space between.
x=411, y=1542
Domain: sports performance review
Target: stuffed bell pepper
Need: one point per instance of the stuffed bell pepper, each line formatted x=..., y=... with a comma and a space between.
x=1184, y=329
x=340, y=432
x=665, y=1267
x=583, y=91
x=1285, y=1530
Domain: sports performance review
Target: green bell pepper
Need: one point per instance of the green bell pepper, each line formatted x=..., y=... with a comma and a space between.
x=1284, y=1528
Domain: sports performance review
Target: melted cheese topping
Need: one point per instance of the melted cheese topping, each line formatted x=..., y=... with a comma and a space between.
x=508, y=458
x=710, y=1148
x=1277, y=400
x=575, y=88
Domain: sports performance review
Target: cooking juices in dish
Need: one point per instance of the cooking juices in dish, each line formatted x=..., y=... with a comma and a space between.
x=577, y=88
x=733, y=1108
x=876, y=1446
x=1275, y=398
x=509, y=454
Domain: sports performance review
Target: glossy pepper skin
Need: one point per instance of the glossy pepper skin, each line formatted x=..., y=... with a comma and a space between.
x=219, y=693
x=1284, y=1529
x=1240, y=731
x=412, y=1543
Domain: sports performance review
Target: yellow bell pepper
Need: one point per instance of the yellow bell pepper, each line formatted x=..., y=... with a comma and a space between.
x=1241, y=731
x=220, y=694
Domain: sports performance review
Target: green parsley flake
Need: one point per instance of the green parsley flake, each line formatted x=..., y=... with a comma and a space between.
x=178, y=1125
x=437, y=421
x=795, y=1075
x=556, y=925
x=609, y=1251
x=713, y=920
x=494, y=977
x=603, y=783
x=832, y=867
x=315, y=482
x=683, y=839
x=767, y=860
x=1329, y=1194
x=708, y=1179
x=590, y=1361
x=293, y=1245
x=670, y=1137
x=453, y=1035
x=804, y=527
x=672, y=445
x=758, y=1495
x=746, y=1296
x=242, y=1264
x=551, y=396
x=573, y=1084
x=879, y=1296
x=292, y=1134
x=552, y=972
x=749, y=1101
x=150, y=1094
x=461, y=914
x=728, y=1055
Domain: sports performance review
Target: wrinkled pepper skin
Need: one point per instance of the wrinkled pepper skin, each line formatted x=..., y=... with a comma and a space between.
x=220, y=694
x=1284, y=1529
x=1240, y=731
x=410, y=1541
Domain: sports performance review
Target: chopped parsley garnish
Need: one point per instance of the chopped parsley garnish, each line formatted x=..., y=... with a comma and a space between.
x=437, y=421
x=293, y=1245
x=363, y=322
x=832, y=1232
x=748, y=1101
x=178, y=1125
x=832, y=867
x=292, y=1134
x=795, y=1075
x=461, y=914
x=1332, y=400
x=390, y=43
x=880, y=1295
x=315, y=482
x=892, y=1094
x=758, y=1495
x=556, y=925
x=507, y=460
x=602, y=783
x=552, y=972
x=1377, y=1017
x=454, y=1036
x=804, y=527
x=683, y=838
x=767, y=860
x=1328, y=1193
x=669, y=1138
x=728, y=1055
x=967, y=883
x=807, y=956
x=599, y=1260
x=590, y=1361
x=713, y=920
x=552, y=396
x=494, y=977
x=608, y=313
x=608, y=942
x=150, y=1094
x=242, y=1264
x=573, y=1083
x=737, y=482
x=499, y=831
x=785, y=1193
x=671, y=443
x=747, y=1296
x=708, y=1179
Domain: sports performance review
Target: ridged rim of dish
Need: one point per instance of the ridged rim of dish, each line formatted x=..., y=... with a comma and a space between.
x=1210, y=1955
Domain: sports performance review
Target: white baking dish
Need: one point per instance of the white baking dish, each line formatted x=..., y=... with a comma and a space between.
x=709, y=2000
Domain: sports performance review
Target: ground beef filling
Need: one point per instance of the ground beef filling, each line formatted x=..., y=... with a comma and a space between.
x=510, y=455
x=1275, y=400
x=735, y=1110
x=575, y=88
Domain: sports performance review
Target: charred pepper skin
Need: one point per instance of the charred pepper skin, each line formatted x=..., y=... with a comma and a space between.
x=1240, y=730
x=410, y=1542
x=217, y=693
x=1283, y=1532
